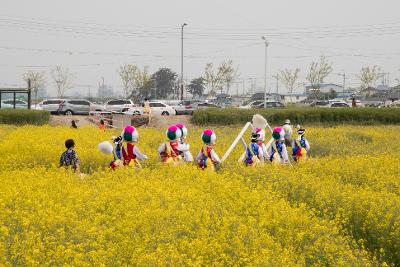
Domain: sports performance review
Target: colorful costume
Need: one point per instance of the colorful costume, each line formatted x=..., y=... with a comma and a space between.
x=300, y=146
x=256, y=151
x=277, y=152
x=171, y=152
x=126, y=151
x=287, y=128
x=186, y=155
x=207, y=156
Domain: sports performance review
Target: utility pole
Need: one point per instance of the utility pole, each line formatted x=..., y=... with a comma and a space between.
x=183, y=25
x=102, y=89
x=243, y=88
x=344, y=82
x=277, y=86
x=265, y=70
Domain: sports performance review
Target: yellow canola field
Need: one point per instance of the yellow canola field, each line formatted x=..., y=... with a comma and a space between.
x=339, y=208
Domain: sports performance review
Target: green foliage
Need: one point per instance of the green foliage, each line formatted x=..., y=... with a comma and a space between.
x=21, y=117
x=231, y=116
x=164, y=81
x=196, y=86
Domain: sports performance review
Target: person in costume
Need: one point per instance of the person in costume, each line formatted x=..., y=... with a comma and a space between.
x=186, y=155
x=147, y=108
x=117, y=152
x=70, y=157
x=300, y=145
x=287, y=127
x=171, y=151
x=255, y=151
x=126, y=149
x=277, y=152
x=207, y=156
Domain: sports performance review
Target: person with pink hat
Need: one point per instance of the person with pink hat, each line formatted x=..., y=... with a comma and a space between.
x=171, y=151
x=128, y=152
x=277, y=152
x=207, y=156
x=185, y=153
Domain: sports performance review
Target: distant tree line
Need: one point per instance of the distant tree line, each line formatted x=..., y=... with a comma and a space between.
x=138, y=83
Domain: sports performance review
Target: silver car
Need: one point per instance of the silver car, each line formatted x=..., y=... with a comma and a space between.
x=75, y=107
x=50, y=105
x=19, y=104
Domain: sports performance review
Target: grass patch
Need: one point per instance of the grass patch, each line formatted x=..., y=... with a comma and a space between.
x=365, y=116
x=24, y=116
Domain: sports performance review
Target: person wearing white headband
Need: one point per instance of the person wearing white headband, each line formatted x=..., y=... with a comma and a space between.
x=287, y=127
x=184, y=146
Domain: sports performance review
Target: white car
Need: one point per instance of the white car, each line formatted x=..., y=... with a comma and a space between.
x=253, y=104
x=157, y=108
x=336, y=104
x=260, y=104
x=19, y=104
x=119, y=105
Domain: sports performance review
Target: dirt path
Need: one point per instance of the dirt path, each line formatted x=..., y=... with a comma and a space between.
x=164, y=121
x=161, y=122
x=57, y=120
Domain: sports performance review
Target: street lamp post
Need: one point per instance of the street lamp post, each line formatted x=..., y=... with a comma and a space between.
x=265, y=70
x=183, y=25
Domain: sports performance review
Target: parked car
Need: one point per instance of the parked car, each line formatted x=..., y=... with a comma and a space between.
x=260, y=104
x=271, y=104
x=319, y=103
x=50, y=105
x=5, y=105
x=119, y=105
x=185, y=107
x=253, y=104
x=77, y=106
x=204, y=105
x=19, y=104
x=157, y=108
x=338, y=105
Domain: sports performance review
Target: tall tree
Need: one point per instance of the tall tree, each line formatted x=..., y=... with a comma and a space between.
x=196, y=86
x=212, y=78
x=318, y=72
x=369, y=75
x=37, y=79
x=288, y=78
x=229, y=73
x=63, y=79
x=143, y=85
x=164, y=81
x=128, y=73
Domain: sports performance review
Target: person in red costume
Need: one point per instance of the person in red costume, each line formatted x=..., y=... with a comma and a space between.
x=129, y=151
x=171, y=151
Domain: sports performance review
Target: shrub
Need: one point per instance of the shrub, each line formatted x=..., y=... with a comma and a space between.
x=21, y=117
x=231, y=116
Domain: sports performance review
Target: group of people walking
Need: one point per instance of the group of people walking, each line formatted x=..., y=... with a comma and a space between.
x=176, y=150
